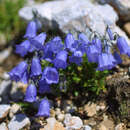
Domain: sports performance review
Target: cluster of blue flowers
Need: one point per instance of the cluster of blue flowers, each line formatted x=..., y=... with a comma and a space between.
x=60, y=55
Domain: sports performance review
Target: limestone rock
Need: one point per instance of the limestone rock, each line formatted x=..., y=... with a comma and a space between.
x=72, y=15
x=3, y=126
x=72, y=122
x=18, y=122
x=122, y=7
x=4, y=110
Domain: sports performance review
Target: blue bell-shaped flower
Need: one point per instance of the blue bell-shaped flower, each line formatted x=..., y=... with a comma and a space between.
x=31, y=30
x=110, y=33
x=69, y=40
x=36, y=69
x=92, y=53
x=55, y=45
x=25, y=77
x=44, y=87
x=51, y=75
x=31, y=93
x=44, y=108
x=17, y=73
x=38, y=41
x=75, y=59
x=97, y=42
x=83, y=38
x=105, y=62
x=61, y=60
x=117, y=57
x=122, y=45
x=23, y=48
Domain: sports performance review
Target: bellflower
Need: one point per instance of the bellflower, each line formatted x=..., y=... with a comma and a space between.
x=117, y=57
x=44, y=87
x=61, y=60
x=55, y=45
x=31, y=93
x=105, y=62
x=25, y=77
x=83, y=38
x=48, y=54
x=92, y=53
x=17, y=73
x=97, y=42
x=128, y=52
x=44, y=108
x=51, y=75
x=38, y=41
x=75, y=59
x=36, y=69
x=31, y=30
x=23, y=48
x=122, y=45
x=110, y=33
x=69, y=40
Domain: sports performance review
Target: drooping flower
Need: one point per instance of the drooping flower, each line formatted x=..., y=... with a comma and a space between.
x=105, y=62
x=128, y=51
x=51, y=75
x=44, y=87
x=110, y=33
x=17, y=73
x=47, y=53
x=25, y=77
x=23, y=48
x=61, y=60
x=31, y=93
x=55, y=45
x=122, y=45
x=83, y=38
x=36, y=69
x=69, y=40
x=75, y=59
x=117, y=57
x=92, y=53
x=38, y=41
x=44, y=108
x=31, y=30
x=97, y=42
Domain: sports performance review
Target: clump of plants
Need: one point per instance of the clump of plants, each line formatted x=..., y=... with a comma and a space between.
x=10, y=23
x=65, y=65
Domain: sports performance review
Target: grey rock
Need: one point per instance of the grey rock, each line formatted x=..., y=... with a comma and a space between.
x=121, y=6
x=87, y=127
x=72, y=122
x=5, y=87
x=4, y=55
x=18, y=122
x=4, y=110
x=72, y=15
x=3, y=126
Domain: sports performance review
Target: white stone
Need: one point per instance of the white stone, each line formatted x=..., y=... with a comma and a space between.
x=87, y=127
x=5, y=87
x=3, y=126
x=4, y=110
x=72, y=14
x=18, y=122
x=72, y=122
